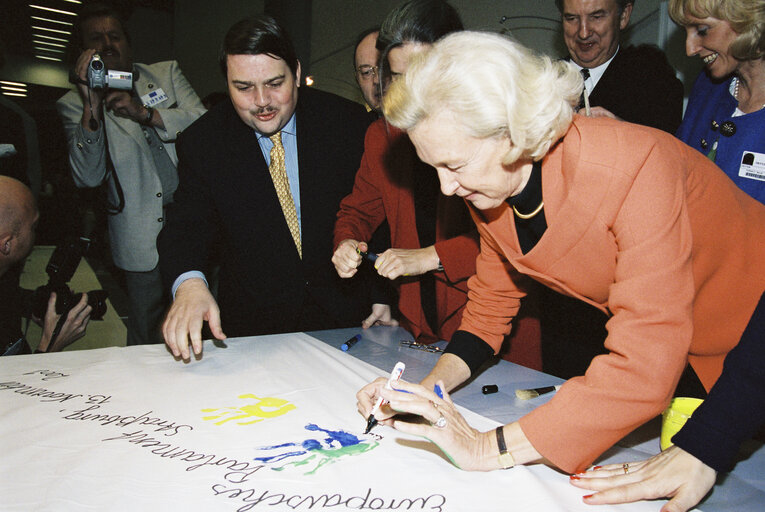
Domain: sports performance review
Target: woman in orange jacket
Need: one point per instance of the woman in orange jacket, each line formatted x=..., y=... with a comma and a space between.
x=623, y=217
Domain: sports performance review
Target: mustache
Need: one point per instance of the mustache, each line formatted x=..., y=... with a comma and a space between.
x=262, y=110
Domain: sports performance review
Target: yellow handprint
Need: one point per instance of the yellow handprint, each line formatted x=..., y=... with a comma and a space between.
x=267, y=407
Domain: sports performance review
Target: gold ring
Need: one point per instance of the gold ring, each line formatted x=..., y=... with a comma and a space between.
x=626, y=468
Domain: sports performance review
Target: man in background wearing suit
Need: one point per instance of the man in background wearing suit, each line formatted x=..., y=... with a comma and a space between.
x=261, y=178
x=138, y=166
x=635, y=84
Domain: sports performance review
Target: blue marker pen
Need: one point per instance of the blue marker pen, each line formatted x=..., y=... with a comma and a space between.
x=369, y=256
x=351, y=342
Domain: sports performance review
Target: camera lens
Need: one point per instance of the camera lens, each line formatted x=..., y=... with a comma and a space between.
x=97, y=300
x=98, y=65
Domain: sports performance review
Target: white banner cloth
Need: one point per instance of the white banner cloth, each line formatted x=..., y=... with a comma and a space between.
x=267, y=423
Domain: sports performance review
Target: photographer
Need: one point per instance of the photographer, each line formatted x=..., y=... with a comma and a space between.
x=121, y=130
x=18, y=219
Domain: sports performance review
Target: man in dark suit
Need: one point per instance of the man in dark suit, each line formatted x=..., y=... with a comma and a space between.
x=275, y=246
x=635, y=84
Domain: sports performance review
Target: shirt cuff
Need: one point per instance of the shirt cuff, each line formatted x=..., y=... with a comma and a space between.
x=188, y=275
x=470, y=348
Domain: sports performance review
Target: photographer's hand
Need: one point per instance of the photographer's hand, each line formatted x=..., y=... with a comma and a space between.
x=73, y=329
x=91, y=98
x=123, y=104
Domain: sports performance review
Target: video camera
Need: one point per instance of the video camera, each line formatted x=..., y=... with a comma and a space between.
x=100, y=78
x=60, y=269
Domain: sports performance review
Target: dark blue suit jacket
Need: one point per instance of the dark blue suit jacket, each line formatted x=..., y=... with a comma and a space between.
x=226, y=204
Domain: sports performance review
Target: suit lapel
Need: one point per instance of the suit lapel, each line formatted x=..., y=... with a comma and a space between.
x=608, y=85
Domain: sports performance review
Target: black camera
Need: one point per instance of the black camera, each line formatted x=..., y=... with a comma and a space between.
x=60, y=269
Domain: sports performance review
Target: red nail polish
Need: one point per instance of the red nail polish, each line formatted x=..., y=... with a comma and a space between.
x=574, y=477
x=596, y=468
x=587, y=497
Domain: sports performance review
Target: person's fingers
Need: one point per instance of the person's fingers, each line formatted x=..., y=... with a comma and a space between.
x=182, y=338
x=213, y=320
x=80, y=313
x=346, y=259
x=81, y=66
x=612, y=470
x=367, y=396
x=622, y=494
x=388, y=265
x=52, y=301
x=417, y=429
x=683, y=502
x=168, y=333
x=363, y=247
x=195, y=334
x=370, y=320
x=415, y=399
x=602, y=484
x=416, y=390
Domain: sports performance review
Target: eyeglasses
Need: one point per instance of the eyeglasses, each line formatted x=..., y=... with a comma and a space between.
x=366, y=72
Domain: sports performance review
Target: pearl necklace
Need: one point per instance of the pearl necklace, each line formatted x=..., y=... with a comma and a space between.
x=735, y=90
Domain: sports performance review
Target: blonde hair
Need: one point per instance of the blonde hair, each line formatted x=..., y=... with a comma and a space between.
x=746, y=18
x=494, y=85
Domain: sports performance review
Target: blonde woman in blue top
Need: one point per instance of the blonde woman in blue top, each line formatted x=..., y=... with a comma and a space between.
x=725, y=118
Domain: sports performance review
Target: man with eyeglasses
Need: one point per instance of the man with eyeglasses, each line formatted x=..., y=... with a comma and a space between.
x=365, y=59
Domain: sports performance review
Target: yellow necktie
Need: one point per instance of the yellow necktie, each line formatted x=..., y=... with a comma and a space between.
x=282, y=186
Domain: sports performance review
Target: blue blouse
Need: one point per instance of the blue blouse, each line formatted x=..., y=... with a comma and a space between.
x=740, y=155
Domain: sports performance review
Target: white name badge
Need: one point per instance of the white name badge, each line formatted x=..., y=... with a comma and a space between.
x=154, y=97
x=752, y=166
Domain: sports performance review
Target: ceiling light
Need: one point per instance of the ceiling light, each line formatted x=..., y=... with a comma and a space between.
x=73, y=1
x=17, y=84
x=20, y=95
x=52, y=30
x=49, y=43
x=51, y=38
x=12, y=89
x=48, y=58
x=54, y=50
x=50, y=9
x=50, y=20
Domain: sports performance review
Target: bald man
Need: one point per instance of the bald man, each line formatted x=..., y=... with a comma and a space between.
x=365, y=58
x=18, y=219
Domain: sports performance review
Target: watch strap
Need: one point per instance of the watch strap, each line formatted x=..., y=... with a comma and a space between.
x=506, y=459
x=149, y=114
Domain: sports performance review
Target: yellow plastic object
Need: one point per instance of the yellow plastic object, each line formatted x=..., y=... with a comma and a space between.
x=674, y=417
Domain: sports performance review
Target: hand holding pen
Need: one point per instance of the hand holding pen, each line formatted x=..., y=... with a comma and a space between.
x=348, y=257
x=367, y=392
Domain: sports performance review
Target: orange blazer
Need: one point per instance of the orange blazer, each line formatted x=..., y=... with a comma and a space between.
x=652, y=233
x=383, y=190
